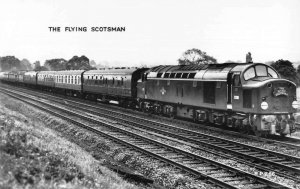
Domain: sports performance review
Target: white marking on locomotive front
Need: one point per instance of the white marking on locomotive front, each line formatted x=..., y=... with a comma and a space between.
x=163, y=91
x=236, y=97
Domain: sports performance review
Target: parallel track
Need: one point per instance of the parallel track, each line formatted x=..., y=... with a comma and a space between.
x=212, y=171
x=265, y=160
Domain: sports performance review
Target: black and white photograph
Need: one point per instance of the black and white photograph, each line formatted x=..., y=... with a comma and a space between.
x=161, y=94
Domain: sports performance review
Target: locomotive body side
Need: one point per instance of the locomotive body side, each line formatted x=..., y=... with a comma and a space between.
x=180, y=90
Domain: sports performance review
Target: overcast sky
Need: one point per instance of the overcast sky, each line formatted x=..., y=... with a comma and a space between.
x=157, y=31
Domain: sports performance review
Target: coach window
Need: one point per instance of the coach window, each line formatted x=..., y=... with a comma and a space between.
x=75, y=80
x=172, y=75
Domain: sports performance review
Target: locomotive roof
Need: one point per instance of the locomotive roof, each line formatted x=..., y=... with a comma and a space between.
x=202, y=72
x=124, y=71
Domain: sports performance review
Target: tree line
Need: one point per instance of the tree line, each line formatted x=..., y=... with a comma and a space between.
x=11, y=63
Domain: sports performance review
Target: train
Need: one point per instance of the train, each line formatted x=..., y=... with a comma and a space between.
x=248, y=97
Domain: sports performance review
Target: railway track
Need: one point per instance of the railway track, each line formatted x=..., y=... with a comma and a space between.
x=283, y=165
x=204, y=168
x=265, y=160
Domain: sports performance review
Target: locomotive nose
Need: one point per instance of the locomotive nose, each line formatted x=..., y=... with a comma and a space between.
x=281, y=95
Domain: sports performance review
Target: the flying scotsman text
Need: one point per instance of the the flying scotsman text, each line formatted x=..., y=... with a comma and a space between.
x=87, y=29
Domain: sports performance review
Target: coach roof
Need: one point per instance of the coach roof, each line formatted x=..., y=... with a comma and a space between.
x=69, y=72
x=113, y=71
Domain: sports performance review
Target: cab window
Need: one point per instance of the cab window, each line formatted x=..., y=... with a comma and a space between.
x=261, y=71
x=272, y=73
x=250, y=73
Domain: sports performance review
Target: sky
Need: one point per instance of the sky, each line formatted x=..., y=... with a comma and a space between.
x=157, y=31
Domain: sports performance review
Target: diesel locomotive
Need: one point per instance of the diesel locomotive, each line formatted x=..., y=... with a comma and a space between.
x=250, y=97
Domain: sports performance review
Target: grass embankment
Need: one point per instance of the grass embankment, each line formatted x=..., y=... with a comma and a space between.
x=66, y=155
x=34, y=156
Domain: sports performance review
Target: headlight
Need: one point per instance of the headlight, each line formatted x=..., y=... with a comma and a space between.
x=295, y=104
x=264, y=105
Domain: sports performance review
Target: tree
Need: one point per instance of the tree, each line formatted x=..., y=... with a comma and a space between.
x=196, y=57
x=25, y=65
x=285, y=68
x=56, y=64
x=8, y=63
x=77, y=63
x=298, y=69
x=38, y=67
x=93, y=63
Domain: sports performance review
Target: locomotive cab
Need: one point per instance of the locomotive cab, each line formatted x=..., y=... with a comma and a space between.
x=268, y=101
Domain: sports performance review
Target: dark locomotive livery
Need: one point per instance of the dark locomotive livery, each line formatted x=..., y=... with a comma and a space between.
x=248, y=97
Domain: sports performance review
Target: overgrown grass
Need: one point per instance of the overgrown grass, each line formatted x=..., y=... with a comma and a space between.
x=34, y=156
